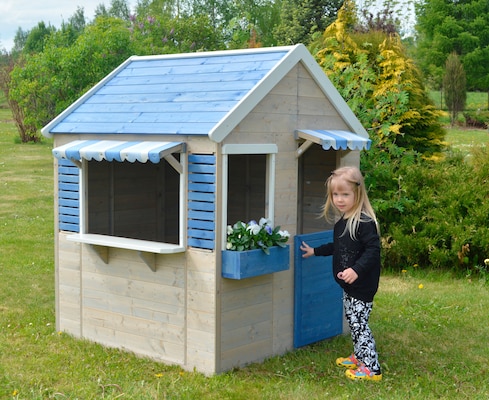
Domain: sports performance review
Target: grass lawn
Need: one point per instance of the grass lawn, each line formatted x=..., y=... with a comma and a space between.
x=475, y=100
x=463, y=139
x=431, y=329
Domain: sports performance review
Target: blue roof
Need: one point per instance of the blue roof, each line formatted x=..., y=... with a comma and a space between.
x=184, y=94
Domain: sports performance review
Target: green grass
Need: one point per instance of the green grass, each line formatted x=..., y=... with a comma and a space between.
x=475, y=100
x=432, y=340
x=463, y=139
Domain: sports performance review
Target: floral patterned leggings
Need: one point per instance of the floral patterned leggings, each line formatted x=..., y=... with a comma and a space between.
x=357, y=313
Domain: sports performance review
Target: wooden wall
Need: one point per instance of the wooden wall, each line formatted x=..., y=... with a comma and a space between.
x=257, y=314
x=168, y=315
x=68, y=289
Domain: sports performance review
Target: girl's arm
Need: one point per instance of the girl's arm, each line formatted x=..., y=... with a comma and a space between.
x=323, y=250
x=308, y=250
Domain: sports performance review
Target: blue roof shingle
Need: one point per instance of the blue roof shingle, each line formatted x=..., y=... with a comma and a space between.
x=168, y=95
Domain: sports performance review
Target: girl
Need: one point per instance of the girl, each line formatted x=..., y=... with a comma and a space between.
x=356, y=265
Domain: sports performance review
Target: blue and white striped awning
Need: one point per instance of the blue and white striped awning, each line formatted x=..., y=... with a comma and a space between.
x=117, y=150
x=336, y=139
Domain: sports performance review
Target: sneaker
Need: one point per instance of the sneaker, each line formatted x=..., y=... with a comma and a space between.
x=363, y=373
x=349, y=362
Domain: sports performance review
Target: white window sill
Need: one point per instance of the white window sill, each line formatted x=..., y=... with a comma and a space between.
x=146, y=249
x=126, y=243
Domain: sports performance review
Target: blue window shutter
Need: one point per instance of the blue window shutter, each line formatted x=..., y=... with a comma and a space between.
x=201, y=206
x=68, y=196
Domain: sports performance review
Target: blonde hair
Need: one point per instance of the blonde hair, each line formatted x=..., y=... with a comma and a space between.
x=361, y=211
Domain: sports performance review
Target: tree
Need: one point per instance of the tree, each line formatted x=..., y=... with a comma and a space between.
x=51, y=80
x=301, y=19
x=26, y=133
x=162, y=34
x=252, y=24
x=120, y=9
x=19, y=40
x=74, y=27
x=454, y=86
x=380, y=83
x=460, y=26
x=167, y=8
x=36, y=38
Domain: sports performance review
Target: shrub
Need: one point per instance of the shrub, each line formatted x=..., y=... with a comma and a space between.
x=477, y=119
x=432, y=213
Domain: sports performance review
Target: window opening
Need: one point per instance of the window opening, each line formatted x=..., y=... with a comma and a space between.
x=315, y=165
x=134, y=200
x=247, y=180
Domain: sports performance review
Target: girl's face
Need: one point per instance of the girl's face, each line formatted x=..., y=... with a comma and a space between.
x=343, y=195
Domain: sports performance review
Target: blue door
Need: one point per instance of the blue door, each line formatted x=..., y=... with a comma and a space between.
x=318, y=304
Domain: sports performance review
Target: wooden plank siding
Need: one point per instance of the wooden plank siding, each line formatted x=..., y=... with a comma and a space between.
x=126, y=305
x=315, y=110
x=257, y=313
x=201, y=313
x=68, y=291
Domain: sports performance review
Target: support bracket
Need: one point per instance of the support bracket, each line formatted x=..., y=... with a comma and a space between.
x=149, y=259
x=102, y=252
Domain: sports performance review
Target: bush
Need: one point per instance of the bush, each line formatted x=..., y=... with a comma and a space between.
x=432, y=213
x=477, y=119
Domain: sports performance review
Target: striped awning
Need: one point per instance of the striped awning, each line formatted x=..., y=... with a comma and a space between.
x=117, y=150
x=336, y=139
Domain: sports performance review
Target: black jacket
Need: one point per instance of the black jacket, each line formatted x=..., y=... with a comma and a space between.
x=362, y=254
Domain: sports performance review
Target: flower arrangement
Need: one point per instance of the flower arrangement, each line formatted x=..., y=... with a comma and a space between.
x=254, y=235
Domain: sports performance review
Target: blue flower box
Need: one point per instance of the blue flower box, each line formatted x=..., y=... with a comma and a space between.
x=250, y=263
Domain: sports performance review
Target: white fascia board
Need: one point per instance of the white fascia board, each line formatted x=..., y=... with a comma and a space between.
x=46, y=129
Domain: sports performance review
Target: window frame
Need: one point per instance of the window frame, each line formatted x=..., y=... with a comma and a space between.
x=268, y=149
x=145, y=247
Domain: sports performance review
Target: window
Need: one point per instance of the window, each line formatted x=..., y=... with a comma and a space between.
x=133, y=200
x=125, y=194
x=248, y=183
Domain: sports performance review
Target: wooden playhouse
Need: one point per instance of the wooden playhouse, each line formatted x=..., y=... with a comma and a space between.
x=155, y=161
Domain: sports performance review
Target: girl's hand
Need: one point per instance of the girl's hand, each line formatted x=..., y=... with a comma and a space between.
x=308, y=250
x=348, y=275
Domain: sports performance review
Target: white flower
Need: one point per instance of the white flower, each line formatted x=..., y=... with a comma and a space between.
x=229, y=230
x=284, y=234
x=486, y=262
x=254, y=229
x=264, y=221
x=229, y=245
